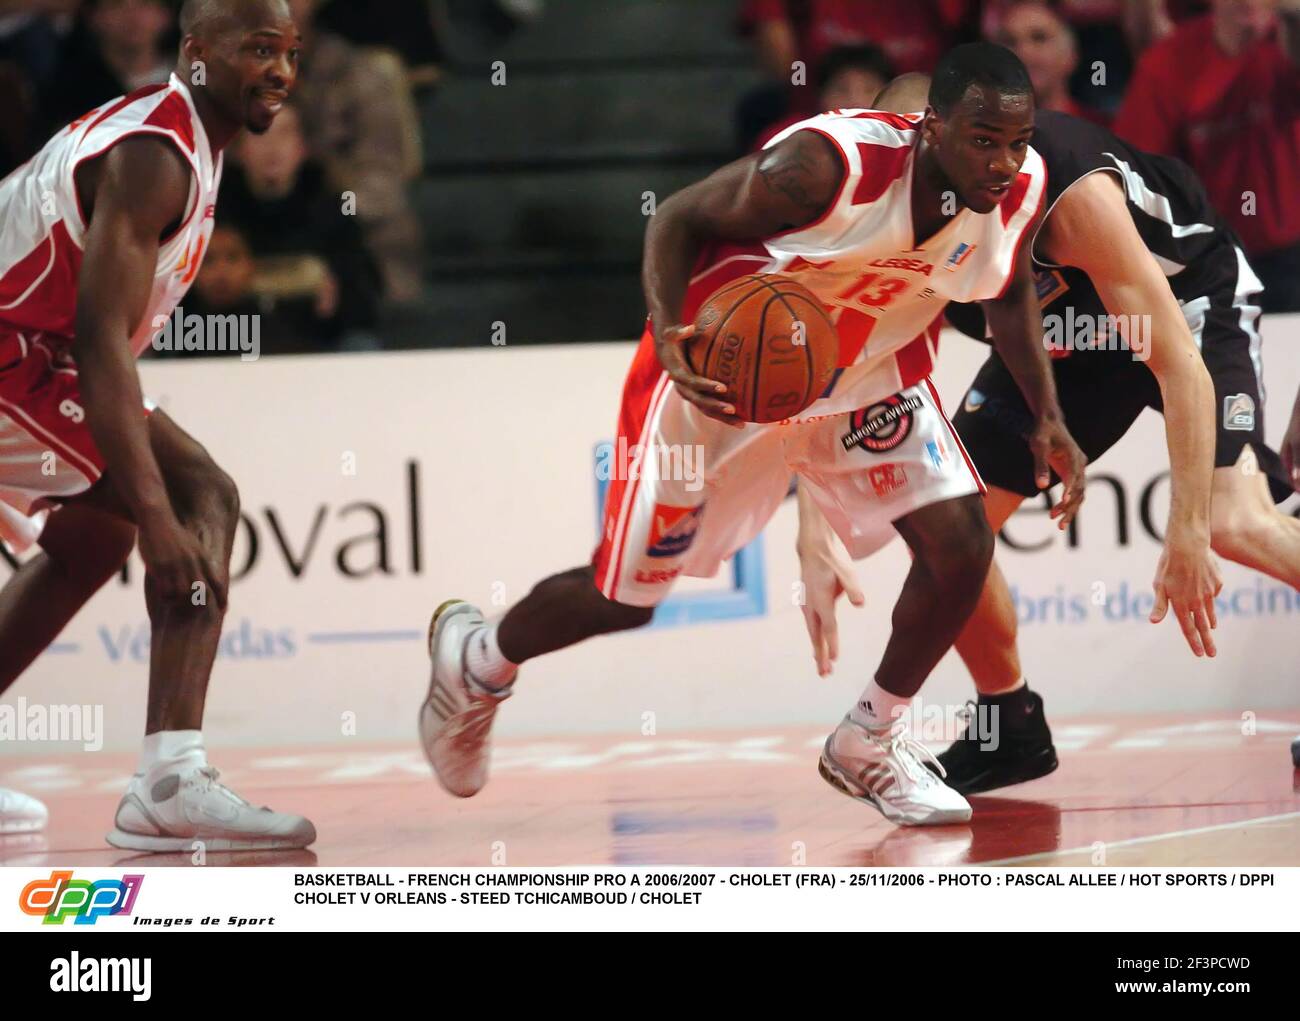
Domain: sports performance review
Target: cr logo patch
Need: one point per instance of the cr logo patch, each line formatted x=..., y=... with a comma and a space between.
x=887, y=478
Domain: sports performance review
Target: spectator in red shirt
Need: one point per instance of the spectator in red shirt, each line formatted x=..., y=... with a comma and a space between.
x=913, y=34
x=1222, y=92
x=1044, y=41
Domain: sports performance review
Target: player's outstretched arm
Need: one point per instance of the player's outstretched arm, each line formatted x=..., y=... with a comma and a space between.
x=1091, y=229
x=1017, y=327
x=136, y=192
x=787, y=186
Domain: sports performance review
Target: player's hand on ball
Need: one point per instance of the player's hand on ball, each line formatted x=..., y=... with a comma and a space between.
x=706, y=394
x=1187, y=579
x=1054, y=448
x=826, y=576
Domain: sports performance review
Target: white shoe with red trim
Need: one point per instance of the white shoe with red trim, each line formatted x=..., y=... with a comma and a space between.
x=885, y=769
x=456, y=718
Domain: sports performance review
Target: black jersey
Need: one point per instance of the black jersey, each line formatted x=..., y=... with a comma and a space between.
x=1195, y=247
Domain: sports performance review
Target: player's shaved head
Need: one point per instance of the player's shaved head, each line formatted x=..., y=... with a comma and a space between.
x=905, y=94
x=240, y=60
x=206, y=18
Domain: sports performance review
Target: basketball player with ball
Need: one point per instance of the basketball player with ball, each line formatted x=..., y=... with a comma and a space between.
x=793, y=302
x=1128, y=236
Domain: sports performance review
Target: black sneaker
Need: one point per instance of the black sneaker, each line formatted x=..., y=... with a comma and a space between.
x=1024, y=749
x=1295, y=752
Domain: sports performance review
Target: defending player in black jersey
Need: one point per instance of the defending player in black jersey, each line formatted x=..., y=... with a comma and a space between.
x=1148, y=301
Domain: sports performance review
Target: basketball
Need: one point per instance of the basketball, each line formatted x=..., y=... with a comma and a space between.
x=770, y=340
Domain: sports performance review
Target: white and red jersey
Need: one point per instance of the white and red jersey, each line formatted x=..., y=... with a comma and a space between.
x=44, y=233
x=861, y=258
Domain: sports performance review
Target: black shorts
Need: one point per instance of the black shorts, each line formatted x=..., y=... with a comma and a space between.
x=1102, y=393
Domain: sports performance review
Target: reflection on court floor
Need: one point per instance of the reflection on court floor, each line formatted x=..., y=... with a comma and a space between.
x=1133, y=791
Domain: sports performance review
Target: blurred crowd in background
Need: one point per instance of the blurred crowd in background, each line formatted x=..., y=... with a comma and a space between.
x=315, y=227
x=1213, y=82
x=330, y=225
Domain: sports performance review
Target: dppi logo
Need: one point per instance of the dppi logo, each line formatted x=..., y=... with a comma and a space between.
x=61, y=896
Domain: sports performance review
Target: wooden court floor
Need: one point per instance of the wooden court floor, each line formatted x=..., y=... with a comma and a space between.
x=1168, y=791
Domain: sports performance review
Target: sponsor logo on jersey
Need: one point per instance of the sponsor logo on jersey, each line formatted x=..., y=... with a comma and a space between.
x=672, y=529
x=974, y=401
x=887, y=478
x=959, y=255
x=911, y=265
x=881, y=426
x=657, y=576
x=1049, y=285
x=1239, y=412
x=937, y=455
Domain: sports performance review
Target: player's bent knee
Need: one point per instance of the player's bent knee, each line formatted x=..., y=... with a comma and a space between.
x=977, y=556
x=621, y=616
x=201, y=487
x=218, y=501
x=610, y=615
x=962, y=556
x=225, y=494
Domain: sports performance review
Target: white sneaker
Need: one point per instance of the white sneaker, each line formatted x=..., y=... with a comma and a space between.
x=170, y=811
x=21, y=813
x=456, y=718
x=886, y=769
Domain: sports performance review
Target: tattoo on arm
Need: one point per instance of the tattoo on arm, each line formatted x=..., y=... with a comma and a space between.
x=804, y=172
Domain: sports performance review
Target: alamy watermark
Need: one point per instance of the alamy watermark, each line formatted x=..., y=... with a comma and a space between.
x=209, y=334
x=36, y=722
x=1087, y=332
x=669, y=462
x=943, y=721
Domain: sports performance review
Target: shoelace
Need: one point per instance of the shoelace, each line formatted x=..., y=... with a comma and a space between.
x=914, y=754
x=904, y=754
x=212, y=779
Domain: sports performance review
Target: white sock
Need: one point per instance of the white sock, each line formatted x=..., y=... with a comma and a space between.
x=484, y=661
x=181, y=750
x=879, y=709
